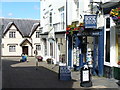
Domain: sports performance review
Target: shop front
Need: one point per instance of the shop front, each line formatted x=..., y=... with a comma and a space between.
x=86, y=46
x=112, y=41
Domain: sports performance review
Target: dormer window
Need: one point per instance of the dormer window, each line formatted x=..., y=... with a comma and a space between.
x=37, y=34
x=12, y=34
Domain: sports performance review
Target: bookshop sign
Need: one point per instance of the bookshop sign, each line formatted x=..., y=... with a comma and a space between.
x=90, y=21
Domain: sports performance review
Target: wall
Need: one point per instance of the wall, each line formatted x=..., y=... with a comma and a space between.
x=6, y=40
x=36, y=41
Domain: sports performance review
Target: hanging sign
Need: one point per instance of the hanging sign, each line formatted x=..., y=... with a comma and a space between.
x=90, y=21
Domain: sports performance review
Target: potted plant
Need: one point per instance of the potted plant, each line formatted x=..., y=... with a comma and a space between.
x=49, y=61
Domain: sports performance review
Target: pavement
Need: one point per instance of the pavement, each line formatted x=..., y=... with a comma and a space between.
x=17, y=74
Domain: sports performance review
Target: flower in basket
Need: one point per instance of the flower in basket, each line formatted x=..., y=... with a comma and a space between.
x=115, y=14
x=68, y=27
x=118, y=62
x=67, y=32
x=81, y=24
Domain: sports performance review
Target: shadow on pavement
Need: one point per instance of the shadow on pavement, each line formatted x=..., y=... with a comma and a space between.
x=29, y=77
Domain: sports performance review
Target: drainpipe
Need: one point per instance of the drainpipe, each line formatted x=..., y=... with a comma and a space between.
x=66, y=35
x=91, y=2
x=31, y=47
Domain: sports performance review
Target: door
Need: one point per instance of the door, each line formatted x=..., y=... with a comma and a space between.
x=25, y=49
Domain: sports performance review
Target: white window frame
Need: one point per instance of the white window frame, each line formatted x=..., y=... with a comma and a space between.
x=37, y=34
x=38, y=47
x=62, y=17
x=12, y=48
x=12, y=34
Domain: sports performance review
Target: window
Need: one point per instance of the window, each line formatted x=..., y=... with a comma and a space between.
x=11, y=34
x=107, y=23
x=38, y=47
x=50, y=18
x=37, y=34
x=56, y=26
x=12, y=48
x=61, y=11
x=51, y=49
x=118, y=47
x=108, y=46
x=45, y=47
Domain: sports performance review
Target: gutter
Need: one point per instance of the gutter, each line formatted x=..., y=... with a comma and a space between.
x=110, y=4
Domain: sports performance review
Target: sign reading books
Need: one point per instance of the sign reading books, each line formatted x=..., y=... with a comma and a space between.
x=90, y=21
x=64, y=73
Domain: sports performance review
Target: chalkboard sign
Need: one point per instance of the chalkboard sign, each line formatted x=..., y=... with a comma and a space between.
x=64, y=73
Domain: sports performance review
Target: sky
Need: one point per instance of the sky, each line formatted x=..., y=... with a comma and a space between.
x=17, y=9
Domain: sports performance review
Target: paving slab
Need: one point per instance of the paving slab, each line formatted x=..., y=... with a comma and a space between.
x=24, y=75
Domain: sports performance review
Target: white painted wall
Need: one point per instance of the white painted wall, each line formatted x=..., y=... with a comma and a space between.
x=36, y=41
x=6, y=40
x=113, y=32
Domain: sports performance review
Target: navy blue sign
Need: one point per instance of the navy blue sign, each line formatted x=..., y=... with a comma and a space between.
x=89, y=34
x=64, y=73
x=90, y=21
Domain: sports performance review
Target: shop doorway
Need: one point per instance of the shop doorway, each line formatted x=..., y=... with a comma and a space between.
x=79, y=41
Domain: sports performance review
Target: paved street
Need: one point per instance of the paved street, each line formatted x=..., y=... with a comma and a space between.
x=24, y=75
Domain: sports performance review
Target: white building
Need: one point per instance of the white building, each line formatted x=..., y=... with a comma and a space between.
x=111, y=40
x=53, y=23
x=20, y=35
x=55, y=15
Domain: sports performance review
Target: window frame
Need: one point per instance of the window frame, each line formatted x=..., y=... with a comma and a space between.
x=12, y=48
x=38, y=47
x=50, y=18
x=62, y=17
x=37, y=34
x=12, y=34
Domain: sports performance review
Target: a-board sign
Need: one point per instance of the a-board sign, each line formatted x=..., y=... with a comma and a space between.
x=64, y=73
x=85, y=74
x=85, y=79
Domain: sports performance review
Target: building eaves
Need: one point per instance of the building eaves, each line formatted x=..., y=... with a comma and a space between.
x=23, y=25
x=35, y=26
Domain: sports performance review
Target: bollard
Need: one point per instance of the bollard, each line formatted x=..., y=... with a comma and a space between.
x=85, y=76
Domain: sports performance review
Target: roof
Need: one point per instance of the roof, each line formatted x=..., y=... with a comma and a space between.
x=34, y=28
x=109, y=5
x=25, y=26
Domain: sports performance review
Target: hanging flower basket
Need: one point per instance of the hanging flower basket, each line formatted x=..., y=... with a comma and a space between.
x=115, y=14
x=118, y=62
x=71, y=29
